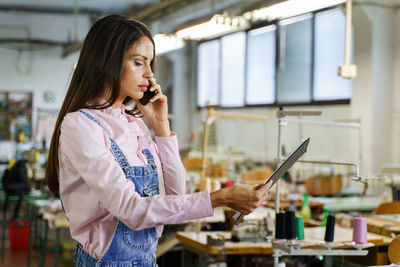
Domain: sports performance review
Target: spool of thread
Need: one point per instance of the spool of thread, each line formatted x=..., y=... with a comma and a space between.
x=300, y=228
x=326, y=214
x=280, y=225
x=330, y=228
x=215, y=185
x=206, y=185
x=290, y=228
x=270, y=223
x=360, y=230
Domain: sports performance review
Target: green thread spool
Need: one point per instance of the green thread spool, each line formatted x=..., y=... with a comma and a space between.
x=299, y=228
x=326, y=213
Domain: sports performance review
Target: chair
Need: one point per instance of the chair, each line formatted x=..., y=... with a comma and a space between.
x=7, y=199
x=323, y=185
x=256, y=177
x=193, y=164
x=388, y=208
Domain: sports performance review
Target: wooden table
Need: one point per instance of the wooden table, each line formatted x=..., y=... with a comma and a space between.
x=197, y=244
x=52, y=219
x=387, y=225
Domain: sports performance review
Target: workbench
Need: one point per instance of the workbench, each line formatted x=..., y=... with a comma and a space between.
x=197, y=244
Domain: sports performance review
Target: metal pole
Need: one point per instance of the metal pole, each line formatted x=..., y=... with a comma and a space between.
x=348, y=32
x=278, y=159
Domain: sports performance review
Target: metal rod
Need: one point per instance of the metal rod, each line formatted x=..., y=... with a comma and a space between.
x=326, y=123
x=333, y=163
x=205, y=141
x=348, y=32
x=237, y=116
x=277, y=186
x=278, y=156
x=284, y=113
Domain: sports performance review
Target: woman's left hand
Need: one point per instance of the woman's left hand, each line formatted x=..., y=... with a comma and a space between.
x=156, y=111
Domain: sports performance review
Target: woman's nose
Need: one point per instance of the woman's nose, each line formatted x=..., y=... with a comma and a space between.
x=149, y=73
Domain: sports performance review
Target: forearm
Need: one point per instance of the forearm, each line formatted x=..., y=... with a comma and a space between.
x=161, y=128
x=174, y=173
x=146, y=212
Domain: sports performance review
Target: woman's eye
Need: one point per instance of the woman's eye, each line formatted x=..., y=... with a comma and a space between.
x=137, y=63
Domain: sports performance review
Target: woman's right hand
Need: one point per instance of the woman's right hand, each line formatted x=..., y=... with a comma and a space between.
x=240, y=197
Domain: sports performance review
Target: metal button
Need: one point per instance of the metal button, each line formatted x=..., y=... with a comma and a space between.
x=126, y=169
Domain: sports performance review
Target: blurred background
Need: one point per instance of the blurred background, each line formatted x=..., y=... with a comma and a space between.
x=247, y=81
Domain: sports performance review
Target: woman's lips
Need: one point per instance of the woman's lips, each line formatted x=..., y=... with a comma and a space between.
x=143, y=88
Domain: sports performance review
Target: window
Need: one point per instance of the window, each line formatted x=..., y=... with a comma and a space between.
x=329, y=55
x=260, y=68
x=295, y=59
x=232, y=69
x=208, y=79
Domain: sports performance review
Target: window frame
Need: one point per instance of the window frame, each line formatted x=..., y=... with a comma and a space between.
x=276, y=66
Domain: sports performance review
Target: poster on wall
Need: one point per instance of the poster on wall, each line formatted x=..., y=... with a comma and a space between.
x=15, y=116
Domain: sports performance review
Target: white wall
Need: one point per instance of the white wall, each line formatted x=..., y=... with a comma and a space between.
x=42, y=68
x=382, y=65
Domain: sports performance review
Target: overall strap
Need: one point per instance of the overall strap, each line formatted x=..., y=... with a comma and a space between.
x=117, y=152
x=149, y=157
x=96, y=121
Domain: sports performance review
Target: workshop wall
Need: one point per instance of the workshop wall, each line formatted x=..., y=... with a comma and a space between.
x=39, y=69
x=376, y=95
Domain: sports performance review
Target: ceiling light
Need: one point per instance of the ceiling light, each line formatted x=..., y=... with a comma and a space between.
x=166, y=43
x=289, y=8
x=218, y=25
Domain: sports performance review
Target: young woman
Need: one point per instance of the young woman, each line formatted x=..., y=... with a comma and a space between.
x=118, y=187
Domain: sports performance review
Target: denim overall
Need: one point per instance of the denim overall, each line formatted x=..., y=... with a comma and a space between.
x=128, y=247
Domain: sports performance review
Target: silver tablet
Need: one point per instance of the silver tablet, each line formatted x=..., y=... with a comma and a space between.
x=284, y=167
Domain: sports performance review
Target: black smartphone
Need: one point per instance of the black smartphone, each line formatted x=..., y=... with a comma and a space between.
x=147, y=95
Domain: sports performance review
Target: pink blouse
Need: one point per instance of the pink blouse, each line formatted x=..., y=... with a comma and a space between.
x=93, y=188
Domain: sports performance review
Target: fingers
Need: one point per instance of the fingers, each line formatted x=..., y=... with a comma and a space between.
x=262, y=189
x=156, y=87
x=263, y=186
x=261, y=193
x=246, y=199
x=245, y=210
x=159, y=97
x=258, y=187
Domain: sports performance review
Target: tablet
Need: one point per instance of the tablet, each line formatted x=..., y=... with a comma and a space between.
x=284, y=167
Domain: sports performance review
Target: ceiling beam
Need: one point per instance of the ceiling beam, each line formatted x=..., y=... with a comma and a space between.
x=71, y=48
x=51, y=10
x=192, y=11
x=154, y=11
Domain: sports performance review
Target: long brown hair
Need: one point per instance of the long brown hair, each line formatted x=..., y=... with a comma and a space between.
x=99, y=67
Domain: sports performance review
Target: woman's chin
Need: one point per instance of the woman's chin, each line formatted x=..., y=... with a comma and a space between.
x=135, y=97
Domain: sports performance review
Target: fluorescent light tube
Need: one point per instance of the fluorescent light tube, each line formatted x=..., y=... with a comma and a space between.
x=289, y=8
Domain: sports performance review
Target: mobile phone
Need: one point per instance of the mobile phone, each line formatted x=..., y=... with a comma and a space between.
x=147, y=95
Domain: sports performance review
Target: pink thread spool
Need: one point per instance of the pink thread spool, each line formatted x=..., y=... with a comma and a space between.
x=360, y=230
